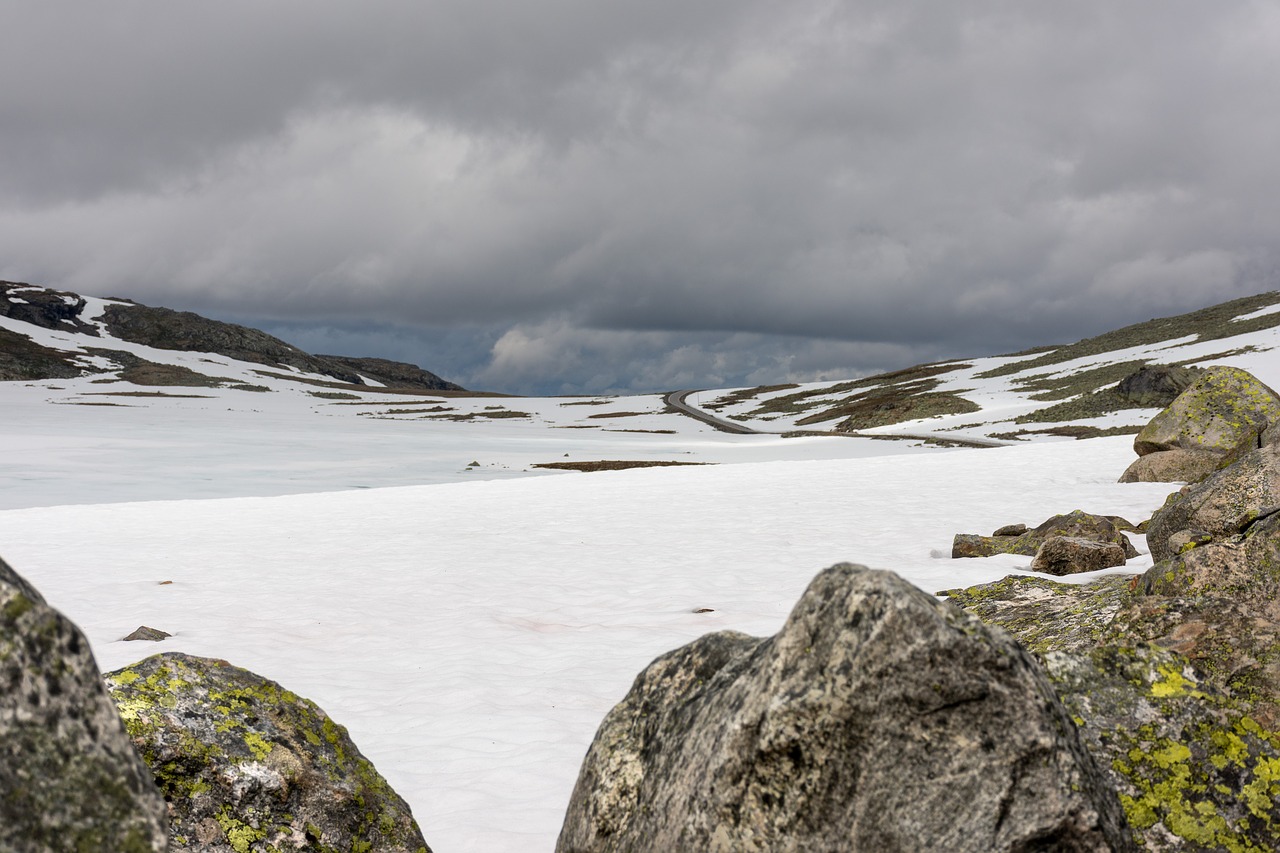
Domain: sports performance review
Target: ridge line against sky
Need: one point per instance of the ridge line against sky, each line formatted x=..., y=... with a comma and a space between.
x=576, y=196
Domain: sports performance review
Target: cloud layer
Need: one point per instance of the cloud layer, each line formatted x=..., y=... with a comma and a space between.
x=578, y=195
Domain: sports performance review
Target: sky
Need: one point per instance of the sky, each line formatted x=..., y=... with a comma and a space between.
x=586, y=196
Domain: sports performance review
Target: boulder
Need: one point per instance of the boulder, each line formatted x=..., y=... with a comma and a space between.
x=1157, y=385
x=1223, y=412
x=69, y=777
x=1100, y=528
x=1190, y=748
x=1221, y=505
x=249, y=766
x=1172, y=466
x=1193, y=767
x=878, y=718
x=1068, y=555
x=1048, y=615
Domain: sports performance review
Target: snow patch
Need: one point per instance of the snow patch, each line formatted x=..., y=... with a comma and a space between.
x=1261, y=312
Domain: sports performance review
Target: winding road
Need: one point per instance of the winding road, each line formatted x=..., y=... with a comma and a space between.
x=678, y=400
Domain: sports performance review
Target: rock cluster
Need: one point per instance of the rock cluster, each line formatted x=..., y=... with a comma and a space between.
x=1221, y=415
x=1174, y=676
x=1063, y=544
x=877, y=719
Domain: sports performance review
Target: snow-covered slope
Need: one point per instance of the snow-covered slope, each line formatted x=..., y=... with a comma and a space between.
x=1031, y=396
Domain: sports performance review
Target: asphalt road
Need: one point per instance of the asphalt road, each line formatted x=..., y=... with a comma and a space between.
x=677, y=400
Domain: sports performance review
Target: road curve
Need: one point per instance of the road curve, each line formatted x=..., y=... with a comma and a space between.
x=676, y=400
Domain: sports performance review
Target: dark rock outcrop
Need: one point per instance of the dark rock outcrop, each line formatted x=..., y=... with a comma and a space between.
x=1157, y=385
x=39, y=306
x=1077, y=523
x=248, y=765
x=69, y=777
x=396, y=375
x=877, y=719
x=181, y=330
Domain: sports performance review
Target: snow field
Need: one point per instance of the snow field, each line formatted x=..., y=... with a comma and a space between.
x=471, y=635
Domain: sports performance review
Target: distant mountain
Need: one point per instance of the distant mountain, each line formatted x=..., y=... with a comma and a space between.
x=55, y=334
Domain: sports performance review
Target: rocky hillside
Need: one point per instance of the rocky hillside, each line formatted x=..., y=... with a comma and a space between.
x=53, y=334
x=1077, y=390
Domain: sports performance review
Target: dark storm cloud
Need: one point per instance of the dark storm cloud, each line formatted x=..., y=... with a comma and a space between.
x=645, y=195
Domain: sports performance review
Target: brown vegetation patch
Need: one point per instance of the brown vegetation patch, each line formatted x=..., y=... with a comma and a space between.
x=895, y=404
x=744, y=394
x=1076, y=431
x=909, y=380
x=649, y=431
x=91, y=403
x=471, y=416
x=619, y=415
x=1092, y=405
x=334, y=395
x=611, y=464
x=145, y=394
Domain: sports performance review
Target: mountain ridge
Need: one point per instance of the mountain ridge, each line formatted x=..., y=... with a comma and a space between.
x=114, y=319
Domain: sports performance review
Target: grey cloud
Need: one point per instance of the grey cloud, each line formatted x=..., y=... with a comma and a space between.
x=603, y=183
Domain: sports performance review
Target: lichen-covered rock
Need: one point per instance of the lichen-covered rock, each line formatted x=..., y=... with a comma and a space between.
x=877, y=719
x=1193, y=768
x=1220, y=506
x=69, y=777
x=249, y=766
x=1099, y=528
x=1225, y=411
x=976, y=545
x=1218, y=603
x=1048, y=615
x=1172, y=466
x=1196, y=761
x=1069, y=555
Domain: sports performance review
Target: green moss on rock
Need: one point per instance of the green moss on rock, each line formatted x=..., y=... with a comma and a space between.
x=247, y=765
x=1193, y=769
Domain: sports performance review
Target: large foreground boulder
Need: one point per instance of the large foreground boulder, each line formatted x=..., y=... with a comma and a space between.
x=1223, y=412
x=877, y=719
x=249, y=766
x=69, y=777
